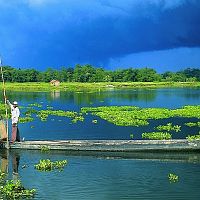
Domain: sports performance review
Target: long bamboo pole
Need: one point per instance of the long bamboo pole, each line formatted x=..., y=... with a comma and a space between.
x=5, y=99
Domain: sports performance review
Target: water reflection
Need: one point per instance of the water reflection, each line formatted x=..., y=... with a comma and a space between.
x=86, y=97
x=4, y=161
x=15, y=165
x=13, y=157
x=140, y=97
x=188, y=157
x=55, y=94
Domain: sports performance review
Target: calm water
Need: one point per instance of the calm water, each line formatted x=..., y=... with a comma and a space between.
x=62, y=128
x=109, y=177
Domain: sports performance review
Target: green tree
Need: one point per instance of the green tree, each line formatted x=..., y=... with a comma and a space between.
x=192, y=73
x=129, y=75
x=77, y=76
x=147, y=75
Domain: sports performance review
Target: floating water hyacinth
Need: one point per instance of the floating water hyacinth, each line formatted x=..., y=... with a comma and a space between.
x=45, y=149
x=15, y=190
x=48, y=165
x=25, y=119
x=157, y=136
x=35, y=105
x=173, y=177
x=190, y=124
x=193, y=137
x=135, y=116
x=169, y=127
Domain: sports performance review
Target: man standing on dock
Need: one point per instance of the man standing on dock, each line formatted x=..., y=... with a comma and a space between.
x=15, y=113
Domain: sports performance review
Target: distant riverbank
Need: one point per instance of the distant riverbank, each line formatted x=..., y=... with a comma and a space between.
x=76, y=86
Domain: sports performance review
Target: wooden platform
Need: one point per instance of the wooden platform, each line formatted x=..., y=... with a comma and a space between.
x=111, y=145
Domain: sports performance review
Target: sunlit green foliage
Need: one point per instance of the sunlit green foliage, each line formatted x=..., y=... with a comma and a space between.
x=78, y=118
x=135, y=116
x=173, y=178
x=12, y=190
x=45, y=149
x=169, y=127
x=35, y=105
x=48, y=165
x=193, y=137
x=190, y=124
x=25, y=119
x=157, y=136
x=29, y=111
x=43, y=114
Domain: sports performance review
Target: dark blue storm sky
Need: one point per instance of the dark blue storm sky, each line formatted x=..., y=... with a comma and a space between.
x=162, y=34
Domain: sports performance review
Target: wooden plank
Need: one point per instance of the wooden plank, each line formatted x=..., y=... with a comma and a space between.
x=111, y=145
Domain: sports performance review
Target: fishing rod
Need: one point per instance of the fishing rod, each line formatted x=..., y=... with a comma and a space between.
x=5, y=101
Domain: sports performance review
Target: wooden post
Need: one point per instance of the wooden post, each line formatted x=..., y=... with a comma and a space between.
x=5, y=99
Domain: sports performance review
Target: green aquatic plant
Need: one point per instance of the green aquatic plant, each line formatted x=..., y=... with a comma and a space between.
x=78, y=118
x=35, y=105
x=169, y=127
x=44, y=165
x=15, y=190
x=190, y=124
x=25, y=119
x=43, y=115
x=45, y=148
x=131, y=135
x=48, y=165
x=135, y=116
x=193, y=137
x=173, y=178
x=30, y=111
x=49, y=107
x=121, y=116
x=157, y=136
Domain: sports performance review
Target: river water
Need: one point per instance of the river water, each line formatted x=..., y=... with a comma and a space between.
x=61, y=128
x=97, y=176
x=109, y=177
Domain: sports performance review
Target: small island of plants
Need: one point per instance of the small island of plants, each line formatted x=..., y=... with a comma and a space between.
x=48, y=165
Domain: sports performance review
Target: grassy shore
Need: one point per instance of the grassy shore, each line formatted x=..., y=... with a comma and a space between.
x=74, y=86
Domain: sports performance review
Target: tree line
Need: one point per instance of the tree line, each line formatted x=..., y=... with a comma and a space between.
x=89, y=73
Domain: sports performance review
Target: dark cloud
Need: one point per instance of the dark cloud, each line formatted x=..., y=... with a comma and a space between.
x=54, y=33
